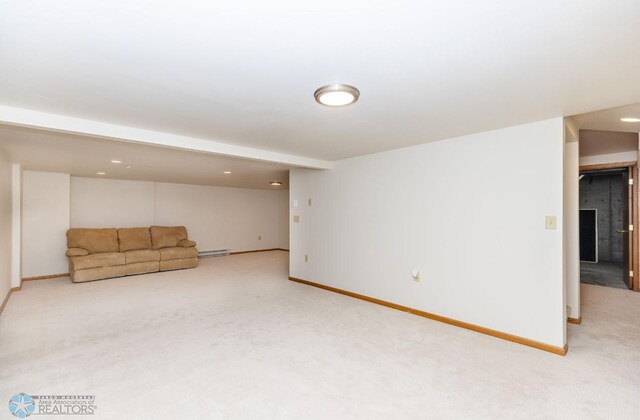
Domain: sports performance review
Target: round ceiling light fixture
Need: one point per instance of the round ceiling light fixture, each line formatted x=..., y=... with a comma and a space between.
x=275, y=183
x=337, y=94
x=630, y=119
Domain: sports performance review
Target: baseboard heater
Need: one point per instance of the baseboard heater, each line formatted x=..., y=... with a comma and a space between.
x=216, y=253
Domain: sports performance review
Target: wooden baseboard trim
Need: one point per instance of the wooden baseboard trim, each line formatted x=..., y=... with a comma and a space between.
x=483, y=330
x=258, y=250
x=16, y=289
x=6, y=298
x=576, y=321
x=50, y=276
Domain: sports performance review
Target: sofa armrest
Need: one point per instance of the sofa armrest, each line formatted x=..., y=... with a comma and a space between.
x=185, y=243
x=76, y=252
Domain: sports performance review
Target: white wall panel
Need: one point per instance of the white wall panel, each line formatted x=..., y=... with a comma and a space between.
x=468, y=212
x=45, y=219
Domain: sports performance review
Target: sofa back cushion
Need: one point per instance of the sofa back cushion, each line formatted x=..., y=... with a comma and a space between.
x=93, y=240
x=133, y=239
x=167, y=236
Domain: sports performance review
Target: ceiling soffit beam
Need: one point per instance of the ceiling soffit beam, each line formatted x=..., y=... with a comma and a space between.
x=64, y=124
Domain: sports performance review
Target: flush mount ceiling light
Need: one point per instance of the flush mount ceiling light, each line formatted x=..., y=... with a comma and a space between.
x=630, y=119
x=275, y=183
x=227, y=172
x=102, y=173
x=116, y=161
x=337, y=94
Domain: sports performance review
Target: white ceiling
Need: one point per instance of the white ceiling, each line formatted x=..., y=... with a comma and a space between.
x=82, y=156
x=244, y=72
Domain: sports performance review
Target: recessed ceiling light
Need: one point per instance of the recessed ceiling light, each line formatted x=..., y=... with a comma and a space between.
x=630, y=119
x=102, y=173
x=116, y=161
x=336, y=94
x=227, y=172
x=275, y=183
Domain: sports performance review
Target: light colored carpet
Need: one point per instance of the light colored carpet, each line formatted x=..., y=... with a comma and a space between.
x=234, y=339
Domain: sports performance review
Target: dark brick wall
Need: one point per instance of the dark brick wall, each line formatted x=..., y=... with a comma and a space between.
x=604, y=193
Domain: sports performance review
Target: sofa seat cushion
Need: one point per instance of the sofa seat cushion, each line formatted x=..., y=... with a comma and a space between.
x=142, y=255
x=93, y=240
x=142, y=267
x=104, y=259
x=167, y=236
x=178, y=264
x=131, y=239
x=177, y=253
x=98, y=273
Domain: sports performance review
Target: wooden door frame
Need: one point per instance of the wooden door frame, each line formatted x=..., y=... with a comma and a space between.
x=633, y=173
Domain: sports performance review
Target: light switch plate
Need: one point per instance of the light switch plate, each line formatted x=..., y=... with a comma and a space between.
x=550, y=222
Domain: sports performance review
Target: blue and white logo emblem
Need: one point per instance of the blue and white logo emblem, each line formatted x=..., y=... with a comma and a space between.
x=21, y=405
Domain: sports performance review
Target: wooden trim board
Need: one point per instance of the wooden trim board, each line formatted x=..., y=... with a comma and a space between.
x=576, y=321
x=635, y=220
x=258, y=250
x=6, y=298
x=16, y=289
x=614, y=165
x=488, y=331
x=50, y=276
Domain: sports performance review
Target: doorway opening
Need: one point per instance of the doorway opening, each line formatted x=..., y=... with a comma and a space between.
x=607, y=216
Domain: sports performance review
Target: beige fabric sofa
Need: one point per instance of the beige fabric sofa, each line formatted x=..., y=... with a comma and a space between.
x=96, y=254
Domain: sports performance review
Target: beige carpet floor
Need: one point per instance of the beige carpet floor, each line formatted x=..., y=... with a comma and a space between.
x=234, y=339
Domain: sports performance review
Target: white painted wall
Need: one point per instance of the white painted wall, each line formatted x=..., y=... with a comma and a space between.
x=220, y=217
x=468, y=212
x=216, y=217
x=45, y=220
x=5, y=227
x=283, y=223
x=16, y=225
x=572, y=219
x=99, y=203
x=631, y=156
